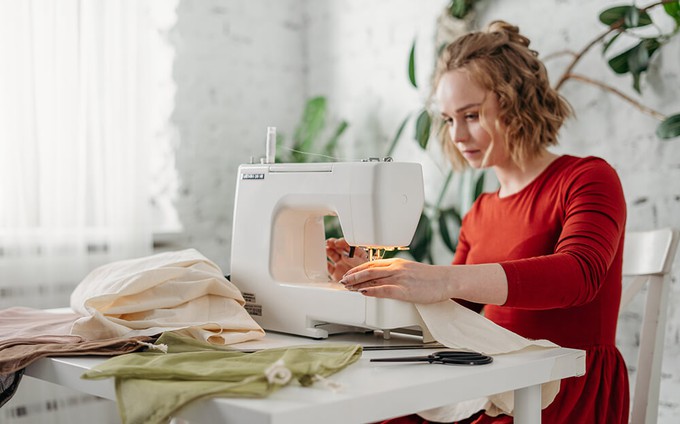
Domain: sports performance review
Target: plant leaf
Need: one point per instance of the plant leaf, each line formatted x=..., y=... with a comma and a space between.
x=332, y=226
x=638, y=60
x=636, y=82
x=444, y=217
x=390, y=254
x=397, y=136
x=310, y=126
x=635, y=59
x=610, y=42
x=632, y=18
x=619, y=63
x=669, y=128
x=673, y=10
x=412, y=65
x=332, y=143
x=479, y=185
x=423, y=125
x=281, y=154
x=459, y=8
x=613, y=14
x=420, y=245
x=625, y=15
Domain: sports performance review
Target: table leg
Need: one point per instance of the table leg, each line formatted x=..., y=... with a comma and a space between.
x=528, y=405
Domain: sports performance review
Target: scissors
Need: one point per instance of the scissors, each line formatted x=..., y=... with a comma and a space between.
x=450, y=357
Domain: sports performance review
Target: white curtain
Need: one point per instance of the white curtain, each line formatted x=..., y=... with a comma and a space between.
x=75, y=130
x=81, y=107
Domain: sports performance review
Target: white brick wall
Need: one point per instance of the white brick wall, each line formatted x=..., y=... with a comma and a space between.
x=243, y=65
x=239, y=67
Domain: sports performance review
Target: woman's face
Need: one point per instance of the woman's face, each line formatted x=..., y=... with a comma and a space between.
x=477, y=138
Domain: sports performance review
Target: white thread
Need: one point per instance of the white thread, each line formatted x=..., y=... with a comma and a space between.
x=277, y=373
x=333, y=386
x=313, y=154
x=159, y=347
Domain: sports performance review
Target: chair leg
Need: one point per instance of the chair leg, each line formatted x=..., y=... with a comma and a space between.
x=646, y=397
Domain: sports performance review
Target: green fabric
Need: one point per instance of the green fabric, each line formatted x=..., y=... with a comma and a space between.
x=151, y=385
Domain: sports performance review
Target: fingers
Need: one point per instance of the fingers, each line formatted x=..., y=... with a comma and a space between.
x=365, y=276
x=386, y=291
x=338, y=266
x=339, y=248
x=339, y=245
x=333, y=254
x=369, y=265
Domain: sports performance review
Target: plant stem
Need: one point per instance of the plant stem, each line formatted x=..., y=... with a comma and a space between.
x=443, y=191
x=560, y=53
x=616, y=26
x=567, y=73
x=613, y=90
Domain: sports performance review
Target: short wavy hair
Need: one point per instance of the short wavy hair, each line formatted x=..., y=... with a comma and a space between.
x=499, y=60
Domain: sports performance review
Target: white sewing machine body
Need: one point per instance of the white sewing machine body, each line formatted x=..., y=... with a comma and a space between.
x=278, y=258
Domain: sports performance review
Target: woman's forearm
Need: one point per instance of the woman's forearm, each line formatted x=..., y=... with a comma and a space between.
x=485, y=283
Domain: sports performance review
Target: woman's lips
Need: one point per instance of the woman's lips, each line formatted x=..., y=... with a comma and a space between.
x=470, y=153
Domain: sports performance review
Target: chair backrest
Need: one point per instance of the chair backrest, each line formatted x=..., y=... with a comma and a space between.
x=648, y=256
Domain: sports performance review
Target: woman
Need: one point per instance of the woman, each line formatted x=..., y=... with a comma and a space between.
x=543, y=253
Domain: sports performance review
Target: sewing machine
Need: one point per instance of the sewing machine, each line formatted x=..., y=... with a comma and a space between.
x=278, y=258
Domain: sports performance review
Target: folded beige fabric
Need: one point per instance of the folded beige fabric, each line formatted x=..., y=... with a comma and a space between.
x=457, y=327
x=169, y=291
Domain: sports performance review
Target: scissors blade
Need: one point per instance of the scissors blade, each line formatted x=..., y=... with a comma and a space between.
x=444, y=357
x=428, y=358
x=472, y=360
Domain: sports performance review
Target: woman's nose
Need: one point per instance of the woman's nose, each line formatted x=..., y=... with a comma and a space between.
x=458, y=133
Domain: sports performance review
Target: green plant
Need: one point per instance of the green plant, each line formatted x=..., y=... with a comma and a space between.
x=620, y=20
x=459, y=9
x=627, y=20
x=309, y=134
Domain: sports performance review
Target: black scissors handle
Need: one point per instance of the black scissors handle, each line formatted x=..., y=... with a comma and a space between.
x=444, y=357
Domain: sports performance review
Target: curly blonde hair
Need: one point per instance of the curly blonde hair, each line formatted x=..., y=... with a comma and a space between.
x=499, y=60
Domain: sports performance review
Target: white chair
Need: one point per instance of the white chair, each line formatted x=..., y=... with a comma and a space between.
x=648, y=256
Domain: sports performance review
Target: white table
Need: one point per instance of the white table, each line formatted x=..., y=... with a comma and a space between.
x=371, y=391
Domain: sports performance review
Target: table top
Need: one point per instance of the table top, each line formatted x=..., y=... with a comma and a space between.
x=369, y=391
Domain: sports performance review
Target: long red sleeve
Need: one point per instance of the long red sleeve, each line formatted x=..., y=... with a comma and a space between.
x=560, y=243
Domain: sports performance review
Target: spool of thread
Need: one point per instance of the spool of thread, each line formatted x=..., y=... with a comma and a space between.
x=270, y=147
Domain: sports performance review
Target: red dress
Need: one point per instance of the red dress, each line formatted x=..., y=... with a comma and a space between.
x=560, y=242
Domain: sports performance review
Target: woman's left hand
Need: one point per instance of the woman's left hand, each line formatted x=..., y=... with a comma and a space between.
x=399, y=279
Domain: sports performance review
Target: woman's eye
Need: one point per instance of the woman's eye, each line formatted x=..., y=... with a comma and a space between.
x=448, y=120
x=471, y=116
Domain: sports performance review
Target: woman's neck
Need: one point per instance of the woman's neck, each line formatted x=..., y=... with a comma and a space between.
x=513, y=178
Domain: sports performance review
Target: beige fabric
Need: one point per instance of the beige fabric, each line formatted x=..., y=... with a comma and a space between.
x=457, y=327
x=22, y=322
x=28, y=334
x=168, y=291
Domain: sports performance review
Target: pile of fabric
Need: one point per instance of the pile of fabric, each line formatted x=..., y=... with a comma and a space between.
x=193, y=369
x=185, y=299
x=179, y=307
x=171, y=291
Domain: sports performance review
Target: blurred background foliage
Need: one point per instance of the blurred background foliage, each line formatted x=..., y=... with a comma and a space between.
x=315, y=139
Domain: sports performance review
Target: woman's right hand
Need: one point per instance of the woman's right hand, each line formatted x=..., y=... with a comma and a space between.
x=337, y=251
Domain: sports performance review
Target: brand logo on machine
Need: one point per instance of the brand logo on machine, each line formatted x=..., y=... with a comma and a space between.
x=252, y=176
